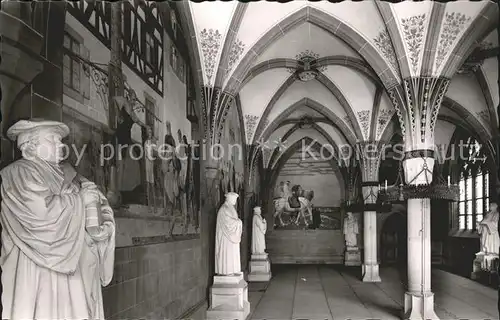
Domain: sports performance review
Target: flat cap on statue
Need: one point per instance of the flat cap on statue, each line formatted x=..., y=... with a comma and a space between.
x=232, y=195
x=25, y=130
x=256, y=209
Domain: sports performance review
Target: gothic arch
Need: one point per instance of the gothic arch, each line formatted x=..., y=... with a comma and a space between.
x=336, y=121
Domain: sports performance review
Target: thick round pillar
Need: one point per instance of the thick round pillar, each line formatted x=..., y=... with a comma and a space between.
x=419, y=299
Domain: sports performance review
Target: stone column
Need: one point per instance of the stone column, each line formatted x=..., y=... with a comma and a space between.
x=417, y=105
x=419, y=299
x=370, y=268
x=370, y=152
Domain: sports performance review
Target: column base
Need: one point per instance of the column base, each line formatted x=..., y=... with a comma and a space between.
x=370, y=273
x=229, y=298
x=419, y=306
x=260, y=268
x=352, y=256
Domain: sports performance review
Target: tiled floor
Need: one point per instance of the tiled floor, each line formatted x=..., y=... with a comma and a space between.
x=329, y=292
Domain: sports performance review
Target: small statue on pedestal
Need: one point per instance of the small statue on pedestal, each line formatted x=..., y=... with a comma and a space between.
x=351, y=230
x=58, y=231
x=258, y=232
x=260, y=267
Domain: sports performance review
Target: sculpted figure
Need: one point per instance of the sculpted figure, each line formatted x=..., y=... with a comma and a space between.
x=149, y=150
x=129, y=171
x=228, y=237
x=58, y=232
x=258, y=232
x=488, y=229
x=351, y=230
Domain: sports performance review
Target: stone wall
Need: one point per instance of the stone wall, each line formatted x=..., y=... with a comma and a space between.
x=306, y=246
x=159, y=271
x=156, y=281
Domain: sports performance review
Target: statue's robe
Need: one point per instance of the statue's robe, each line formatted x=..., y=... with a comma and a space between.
x=351, y=230
x=258, y=234
x=227, y=241
x=51, y=267
x=488, y=229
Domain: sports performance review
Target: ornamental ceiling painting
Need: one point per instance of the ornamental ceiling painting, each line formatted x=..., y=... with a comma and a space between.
x=307, y=66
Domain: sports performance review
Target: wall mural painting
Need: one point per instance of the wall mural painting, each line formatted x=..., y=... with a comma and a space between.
x=176, y=183
x=231, y=164
x=294, y=209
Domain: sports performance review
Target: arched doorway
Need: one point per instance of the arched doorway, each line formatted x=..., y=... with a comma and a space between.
x=393, y=244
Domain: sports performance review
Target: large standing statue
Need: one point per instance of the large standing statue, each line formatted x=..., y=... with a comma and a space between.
x=488, y=229
x=228, y=238
x=258, y=232
x=57, y=246
x=351, y=230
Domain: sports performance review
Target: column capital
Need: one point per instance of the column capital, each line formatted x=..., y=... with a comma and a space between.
x=418, y=170
x=369, y=153
x=417, y=104
x=370, y=194
x=216, y=103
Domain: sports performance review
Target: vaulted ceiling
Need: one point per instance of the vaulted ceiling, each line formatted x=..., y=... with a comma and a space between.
x=321, y=70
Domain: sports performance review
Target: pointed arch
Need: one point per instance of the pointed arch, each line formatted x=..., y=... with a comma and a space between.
x=483, y=24
x=468, y=117
x=276, y=155
x=231, y=34
x=338, y=60
x=325, y=81
x=325, y=21
x=288, y=154
x=335, y=120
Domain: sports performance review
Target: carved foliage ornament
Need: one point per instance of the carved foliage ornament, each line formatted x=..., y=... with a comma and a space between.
x=250, y=124
x=235, y=53
x=383, y=42
x=413, y=31
x=454, y=23
x=307, y=56
x=424, y=97
x=383, y=117
x=364, y=120
x=210, y=40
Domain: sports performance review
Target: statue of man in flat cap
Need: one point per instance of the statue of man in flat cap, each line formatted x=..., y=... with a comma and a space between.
x=228, y=237
x=58, y=231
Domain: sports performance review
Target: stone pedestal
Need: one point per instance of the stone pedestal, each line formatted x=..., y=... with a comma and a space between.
x=352, y=257
x=419, y=306
x=260, y=268
x=228, y=298
x=371, y=273
x=483, y=263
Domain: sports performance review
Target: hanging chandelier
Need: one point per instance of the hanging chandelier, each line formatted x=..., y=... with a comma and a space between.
x=438, y=189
